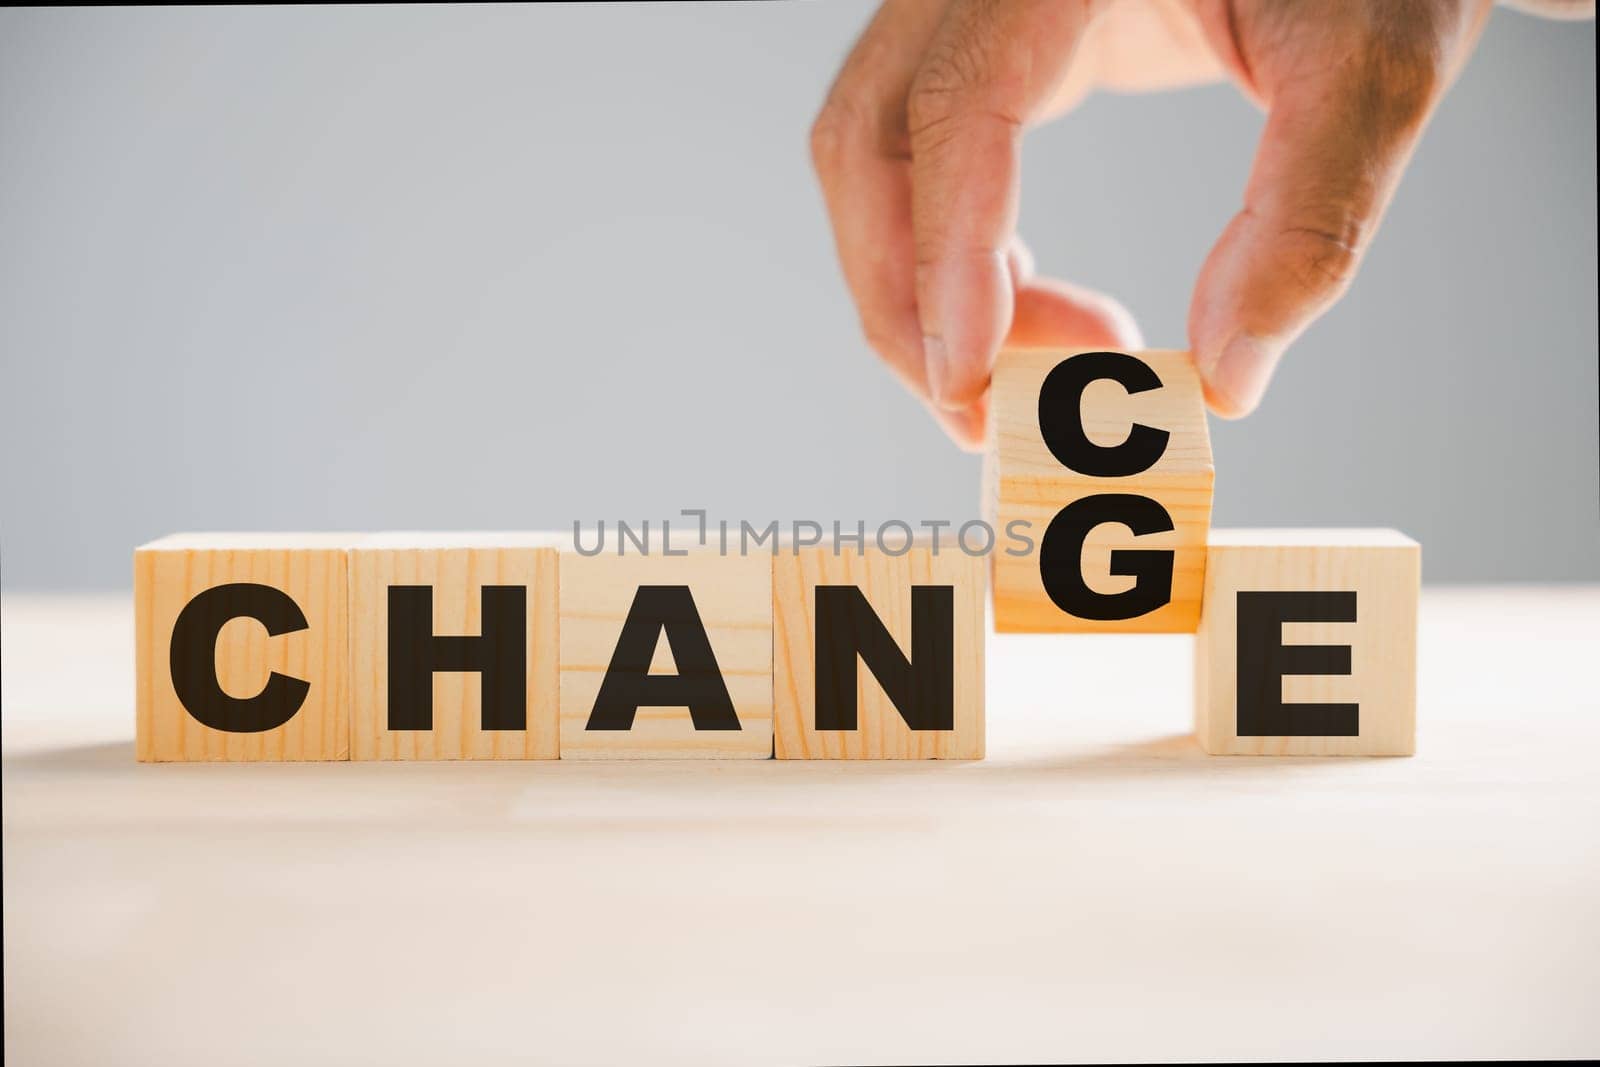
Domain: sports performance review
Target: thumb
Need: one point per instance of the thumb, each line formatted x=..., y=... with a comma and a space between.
x=1339, y=133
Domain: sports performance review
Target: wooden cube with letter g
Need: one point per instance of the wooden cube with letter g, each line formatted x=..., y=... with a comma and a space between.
x=1101, y=462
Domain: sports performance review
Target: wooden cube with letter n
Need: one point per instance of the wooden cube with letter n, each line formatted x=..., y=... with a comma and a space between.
x=1308, y=643
x=878, y=655
x=665, y=656
x=242, y=647
x=1101, y=462
x=453, y=646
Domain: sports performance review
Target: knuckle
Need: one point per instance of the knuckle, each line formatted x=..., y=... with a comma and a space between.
x=941, y=119
x=931, y=109
x=1321, y=258
x=947, y=74
x=955, y=82
x=829, y=133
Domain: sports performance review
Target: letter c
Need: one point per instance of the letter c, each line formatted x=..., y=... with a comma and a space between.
x=1061, y=415
x=194, y=651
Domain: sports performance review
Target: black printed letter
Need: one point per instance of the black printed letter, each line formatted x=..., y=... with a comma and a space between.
x=193, y=658
x=1061, y=416
x=922, y=688
x=500, y=655
x=1263, y=660
x=629, y=685
x=1061, y=558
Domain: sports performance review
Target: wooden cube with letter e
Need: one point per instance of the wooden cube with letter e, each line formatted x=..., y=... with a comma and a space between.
x=1308, y=643
x=1099, y=484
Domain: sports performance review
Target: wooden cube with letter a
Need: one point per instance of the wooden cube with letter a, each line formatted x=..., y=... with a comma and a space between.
x=876, y=655
x=666, y=657
x=453, y=646
x=1098, y=484
x=242, y=647
x=1308, y=643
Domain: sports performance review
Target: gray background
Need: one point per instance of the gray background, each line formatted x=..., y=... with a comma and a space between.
x=504, y=268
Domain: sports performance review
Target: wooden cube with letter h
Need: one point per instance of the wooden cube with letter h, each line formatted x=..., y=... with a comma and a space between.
x=1101, y=463
x=878, y=655
x=665, y=656
x=242, y=648
x=1308, y=643
x=453, y=646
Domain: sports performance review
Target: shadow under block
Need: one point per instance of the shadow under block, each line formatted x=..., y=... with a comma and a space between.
x=1308, y=644
x=666, y=657
x=246, y=633
x=1134, y=426
x=929, y=605
x=475, y=618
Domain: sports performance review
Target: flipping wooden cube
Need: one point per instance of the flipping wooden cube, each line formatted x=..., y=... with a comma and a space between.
x=242, y=647
x=453, y=646
x=666, y=657
x=1098, y=484
x=878, y=656
x=1308, y=643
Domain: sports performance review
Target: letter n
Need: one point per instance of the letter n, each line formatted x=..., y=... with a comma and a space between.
x=922, y=687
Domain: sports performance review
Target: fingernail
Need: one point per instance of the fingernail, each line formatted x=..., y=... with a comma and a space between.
x=1239, y=375
x=936, y=361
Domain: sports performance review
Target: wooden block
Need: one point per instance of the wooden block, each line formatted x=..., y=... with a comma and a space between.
x=666, y=657
x=1102, y=461
x=868, y=644
x=1308, y=643
x=242, y=648
x=475, y=618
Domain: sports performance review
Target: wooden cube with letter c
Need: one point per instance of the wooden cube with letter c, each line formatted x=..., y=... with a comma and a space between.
x=1098, y=484
x=1308, y=643
x=878, y=654
x=241, y=648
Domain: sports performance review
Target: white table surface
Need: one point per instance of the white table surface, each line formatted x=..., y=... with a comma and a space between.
x=1096, y=889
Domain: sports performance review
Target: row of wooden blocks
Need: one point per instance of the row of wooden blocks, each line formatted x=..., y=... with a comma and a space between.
x=520, y=646
x=515, y=646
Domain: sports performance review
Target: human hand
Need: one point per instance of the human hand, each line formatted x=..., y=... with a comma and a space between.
x=917, y=150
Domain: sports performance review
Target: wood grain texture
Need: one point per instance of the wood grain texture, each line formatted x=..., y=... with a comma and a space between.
x=310, y=569
x=886, y=581
x=1025, y=482
x=1383, y=568
x=733, y=598
x=1096, y=889
x=457, y=566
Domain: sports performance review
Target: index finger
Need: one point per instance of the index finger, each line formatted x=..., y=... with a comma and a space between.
x=989, y=68
x=862, y=159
